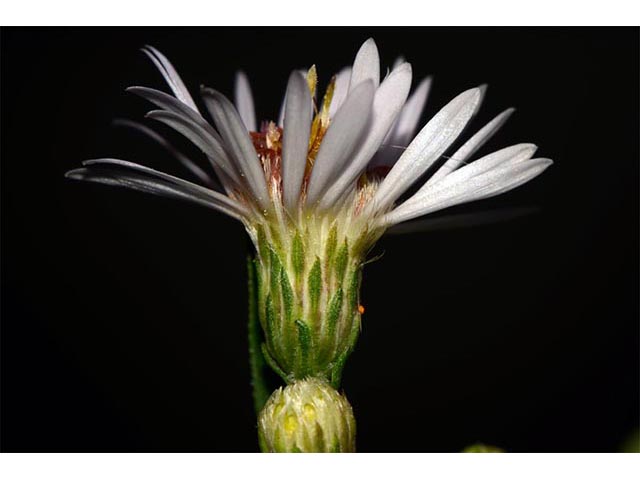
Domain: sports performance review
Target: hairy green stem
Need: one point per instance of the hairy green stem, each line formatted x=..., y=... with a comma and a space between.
x=256, y=360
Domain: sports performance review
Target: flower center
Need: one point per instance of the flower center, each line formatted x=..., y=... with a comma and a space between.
x=268, y=145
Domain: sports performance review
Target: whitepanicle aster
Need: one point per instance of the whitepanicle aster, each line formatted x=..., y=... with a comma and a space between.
x=315, y=191
x=327, y=160
x=318, y=188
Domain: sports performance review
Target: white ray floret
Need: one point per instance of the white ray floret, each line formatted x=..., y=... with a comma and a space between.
x=244, y=101
x=320, y=162
x=298, y=115
x=366, y=66
x=472, y=145
x=341, y=139
x=387, y=102
x=427, y=147
x=343, y=78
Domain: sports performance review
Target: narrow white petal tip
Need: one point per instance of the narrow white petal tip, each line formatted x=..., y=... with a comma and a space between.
x=483, y=89
x=403, y=67
x=475, y=95
x=492, y=182
x=298, y=112
x=425, y=83
x=369, y=43
x=532, y=146
x=366, y=65
x=243, y=99
x=170, y=75
x=399, y=61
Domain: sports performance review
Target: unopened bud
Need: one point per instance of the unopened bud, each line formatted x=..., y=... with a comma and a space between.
x=307, y=416
x=482, y=448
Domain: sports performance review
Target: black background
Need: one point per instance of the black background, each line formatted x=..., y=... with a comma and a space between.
x=124, y=315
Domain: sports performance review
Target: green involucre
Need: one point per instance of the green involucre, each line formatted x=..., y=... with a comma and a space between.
x=308, y=295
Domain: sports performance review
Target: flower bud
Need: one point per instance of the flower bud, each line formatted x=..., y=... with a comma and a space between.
x=307, y=416
x=482, y=448
x=308, y=300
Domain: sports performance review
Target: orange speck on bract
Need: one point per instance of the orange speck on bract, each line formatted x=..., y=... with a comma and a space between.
x=361, y=309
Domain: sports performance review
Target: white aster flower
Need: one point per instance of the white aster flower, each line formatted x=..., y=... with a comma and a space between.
x=327, y=160
x=318, y=188
x=315, y=191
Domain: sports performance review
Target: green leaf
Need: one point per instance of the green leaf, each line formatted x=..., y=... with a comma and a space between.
x=315, y=283
x=336, y=371
x=270, y=316
x=335, y=307
x=256, y=360
x=276, y=267
x=287, y=294
x=263, y=244
x=304, y=340
x=332, y=242
x=354, y=288
x=297, y=255
x=273, y=364
x=341, y=261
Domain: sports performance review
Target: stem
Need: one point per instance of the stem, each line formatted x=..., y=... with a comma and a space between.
x=256, y=360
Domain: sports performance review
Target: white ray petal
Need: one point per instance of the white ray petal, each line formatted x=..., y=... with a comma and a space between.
x=283, y=103
x=461, y=179
x=281, y=111
x=122, y=173
x=191, y=187
x=237, y=140
x=513, y=154
x=167, y=102
x=407, y=122
x=427, y=147
x=200, y=138
x=136, y=181
x=295, y=139
x=244, y=101
x=343, y=77
x=343, y=134
x=404, y=129
x=493, y=182
x=387, y=103
x=164, y=143
x=366, y=66
x=170, y=75
x=397, y=62
x=471, y=146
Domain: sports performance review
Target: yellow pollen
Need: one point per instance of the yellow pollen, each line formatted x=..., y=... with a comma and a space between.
x=320, y=122
x=312, y=80
x=272, y=137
